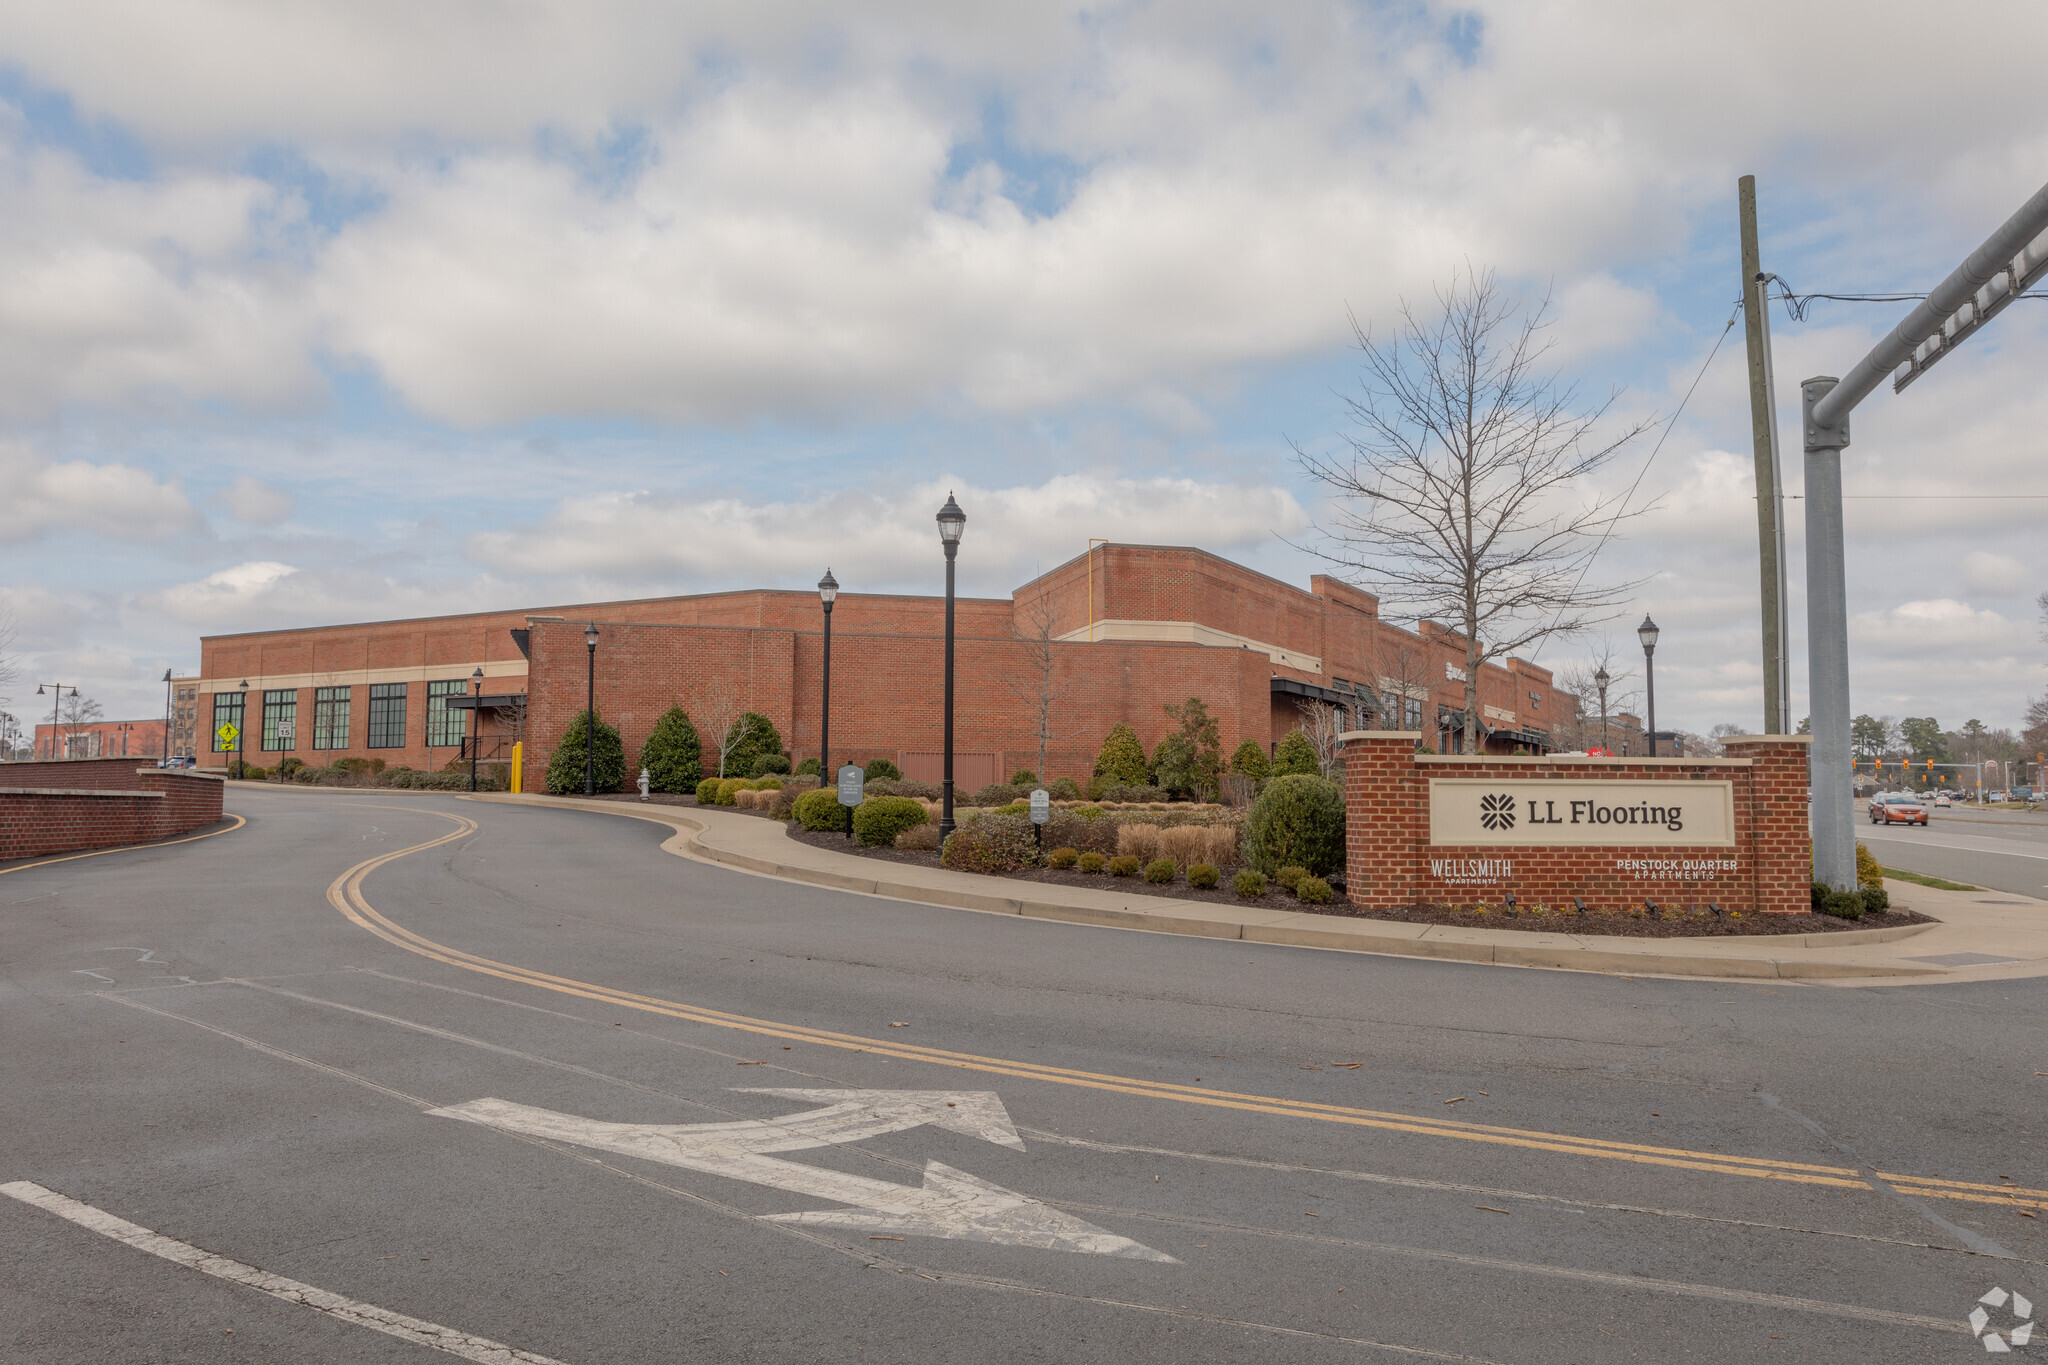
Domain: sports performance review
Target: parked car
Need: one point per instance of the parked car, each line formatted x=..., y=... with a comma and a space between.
x=1897, y=808
x=180, y=761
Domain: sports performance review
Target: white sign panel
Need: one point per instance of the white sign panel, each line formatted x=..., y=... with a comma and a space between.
x=1555, y=814
x=1041, y=806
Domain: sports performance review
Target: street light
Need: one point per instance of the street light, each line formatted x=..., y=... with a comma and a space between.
x=1600, y=680
x=590, y=713
x=476, y=710
x=1647, y=633
x=56, y=734
x=828, y=592
x=167, y=713
x=952, y=521
x=242, y=730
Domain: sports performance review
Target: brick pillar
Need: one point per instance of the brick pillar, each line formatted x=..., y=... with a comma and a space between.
x=1778, y=837
x=1383, y=817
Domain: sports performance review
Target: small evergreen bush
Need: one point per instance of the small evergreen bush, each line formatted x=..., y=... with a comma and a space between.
x=879, y=819
x=1124, y=865
x=991, y=844
x=1296, y=754
x=1290, y=876
x=1024, y=777
x=882, y=770
x=995, y=794
x=1122, y=757
x=1063, y=858
x=765, y=765
x=707, y=791
x=1250, y=760
x=1063, y=789
x=1091, y=863
x=287, y=766
x=728, y=787
x=607, y=758
x=1204, y=876
x=1160, y=871
x=820, y=811
x=1843, y=904
x=1297, y=820
x=807, y=768
x=1249, y=884
x=1869, y=874
x=758, y=736
x=1876, y=900
x=673, y=754
x=1312, y=891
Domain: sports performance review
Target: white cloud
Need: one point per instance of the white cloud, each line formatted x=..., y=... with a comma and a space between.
x=256, y=503
x=877, y=541
x=1994, y=573
x=266, y=594
x=113, y=500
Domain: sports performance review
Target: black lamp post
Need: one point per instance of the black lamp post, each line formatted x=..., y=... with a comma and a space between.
x=476, y=710
x=242, y=730
x=590, y=713
x=952, y=521
x=167, y=713
x=828, y=592
x=1647, y=633
x=56, y=732
x=1600, y=680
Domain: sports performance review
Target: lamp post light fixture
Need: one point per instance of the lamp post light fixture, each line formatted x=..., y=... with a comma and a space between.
x=56, y=732
x=476, y=711
x=1600, y=680
x=828, y=592
x=952, y=521
x=1647, y=633
x=242, y=730
x=590, y=712
x=167, y=715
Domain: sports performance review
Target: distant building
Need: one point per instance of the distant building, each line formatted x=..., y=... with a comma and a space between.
x=102, y=739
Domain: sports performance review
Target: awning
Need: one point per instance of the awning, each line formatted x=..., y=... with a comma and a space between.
x=491, y=701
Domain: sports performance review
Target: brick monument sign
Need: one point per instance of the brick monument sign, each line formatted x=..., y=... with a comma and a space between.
x=1445, y=829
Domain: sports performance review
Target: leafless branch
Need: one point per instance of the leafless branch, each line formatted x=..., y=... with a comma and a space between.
x=1034, y=679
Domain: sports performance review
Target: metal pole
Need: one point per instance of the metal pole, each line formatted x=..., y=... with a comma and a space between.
x=1763, y=424
x=946, y=784
x=1650, y=689
x=476, y=710
x=167, y=714
x=590, y=723
x=825, y=707
x=1831, y=783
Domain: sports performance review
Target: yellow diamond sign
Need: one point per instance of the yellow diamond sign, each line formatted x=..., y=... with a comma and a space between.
x=228, y=733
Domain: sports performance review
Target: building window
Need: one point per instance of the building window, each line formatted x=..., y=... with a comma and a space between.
x=445, y=726
x=280, y=719
x=227, y=710
x=330, y=718
x=1414, y=713
x=387, y=715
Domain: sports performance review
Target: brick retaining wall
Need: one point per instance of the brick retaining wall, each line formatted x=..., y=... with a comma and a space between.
x=1389, y=857
x=64, y=807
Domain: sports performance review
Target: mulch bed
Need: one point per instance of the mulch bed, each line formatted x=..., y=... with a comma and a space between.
x=1673, y=923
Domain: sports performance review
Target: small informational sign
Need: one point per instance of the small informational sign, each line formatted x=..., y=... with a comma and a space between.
x=228, y=733
x=851, y=780
x=1041, y=806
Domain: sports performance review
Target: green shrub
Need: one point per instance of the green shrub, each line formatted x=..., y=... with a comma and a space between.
x=287, y=766
x=1122, y=758
x=727, y=786
x=1869, y=875
x=358, y=767
x=1123, y=865
x=251, y=772
x=1070, y=829
x=1023, y=777
x=1139, y=796
x=765, y=765
x=756, y=735
x=1092, y=863
x=1251, y=761
x=1190, y=761
x=769, y=784
x=820, y=811
x=1063, y=789
x=995, y=794
x=1095, y=786
x=1204, y=876
x=1295, y=754
x=673, y=754
x=1296, y=820
x=1312, y=891
x=1876, y=900
x=1843, y=904
x=1290, y=876
x=707, y=791
x=882, y=770
x=1063, y=858
x=1249, y=884
x=993, y=843
x=879, y=819
x=1160, y=871
x=607, y=758
x=807, y=768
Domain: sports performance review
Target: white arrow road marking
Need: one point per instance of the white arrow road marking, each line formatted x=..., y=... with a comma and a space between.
x=368, y=1315
x=950, y=1203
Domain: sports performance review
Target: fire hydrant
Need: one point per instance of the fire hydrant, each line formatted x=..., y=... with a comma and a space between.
x=644, y=783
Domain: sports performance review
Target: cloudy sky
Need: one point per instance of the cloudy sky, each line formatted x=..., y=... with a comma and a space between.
x=317, y=311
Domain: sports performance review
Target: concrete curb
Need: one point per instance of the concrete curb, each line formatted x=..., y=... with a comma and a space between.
x=1287, y=928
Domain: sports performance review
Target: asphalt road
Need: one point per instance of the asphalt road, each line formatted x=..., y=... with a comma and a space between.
x=1997, y=850
x=203, y=1044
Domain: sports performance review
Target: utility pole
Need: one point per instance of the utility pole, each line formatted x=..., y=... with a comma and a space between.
x=1763, y=427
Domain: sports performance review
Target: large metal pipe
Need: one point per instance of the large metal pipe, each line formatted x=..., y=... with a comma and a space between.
x=1830, y=781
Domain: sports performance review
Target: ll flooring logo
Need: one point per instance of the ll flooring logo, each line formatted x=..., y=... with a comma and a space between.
x=1497, y=811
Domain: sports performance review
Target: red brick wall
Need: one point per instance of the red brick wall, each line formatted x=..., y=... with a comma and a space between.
x=1387, y=856
x=60, y=807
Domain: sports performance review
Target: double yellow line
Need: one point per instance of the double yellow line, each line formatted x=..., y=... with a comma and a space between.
x=345, y=893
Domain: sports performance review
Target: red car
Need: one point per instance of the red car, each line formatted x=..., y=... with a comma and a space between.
x=1897, y=808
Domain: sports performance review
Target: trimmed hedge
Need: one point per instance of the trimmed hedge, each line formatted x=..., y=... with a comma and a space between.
x=991, y=843
x=879, y=819
x=607, y=758
x=881, y=770
x=1063, y=857
x=707, y=791
x=1092, y=863
x=1312, y=891
x=1297, y=820
x=1160, y=871
x=1249, y=884
x=820, y=811
x=1204, y=876
x=1123, y=865
x=768, y=765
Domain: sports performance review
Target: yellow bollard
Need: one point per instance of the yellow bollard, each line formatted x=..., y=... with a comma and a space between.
x=518, y=764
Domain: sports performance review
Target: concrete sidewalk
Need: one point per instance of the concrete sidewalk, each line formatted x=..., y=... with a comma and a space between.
x=1983, y=935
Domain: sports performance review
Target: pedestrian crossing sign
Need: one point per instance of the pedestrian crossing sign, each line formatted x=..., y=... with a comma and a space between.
x=228, y=733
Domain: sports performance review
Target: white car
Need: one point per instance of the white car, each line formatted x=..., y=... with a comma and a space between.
x=1941, y=799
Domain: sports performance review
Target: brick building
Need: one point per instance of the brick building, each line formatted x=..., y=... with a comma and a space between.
x=1115, y=635
x=101, y=739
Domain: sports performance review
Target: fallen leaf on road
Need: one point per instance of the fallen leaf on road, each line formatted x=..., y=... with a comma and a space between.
x=1489, y=1208
x=750, y=1063
x=1457, y=1099
x=1306, y=1214
x=1348, y=1066
x=899, y=1025
x=1311, y=1068
x=884, y=1239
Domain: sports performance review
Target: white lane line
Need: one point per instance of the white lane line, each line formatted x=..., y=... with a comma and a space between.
x=277, y=1286
x=1978, y=843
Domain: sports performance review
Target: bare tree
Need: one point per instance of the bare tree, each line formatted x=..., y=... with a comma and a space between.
x=1463, y=495
x=1035, y=680
x=1405, y=665
x=73, y=710
x=1322, y=723
x=718, y=714
x=1581, y=679
x=10, y=661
